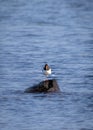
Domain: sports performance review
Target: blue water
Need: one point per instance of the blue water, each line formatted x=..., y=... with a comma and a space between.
x=59, y=32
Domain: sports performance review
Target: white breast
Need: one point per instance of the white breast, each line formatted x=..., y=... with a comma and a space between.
x=47, y=72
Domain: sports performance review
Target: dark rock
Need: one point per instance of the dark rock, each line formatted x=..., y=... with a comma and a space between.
x=44, y=86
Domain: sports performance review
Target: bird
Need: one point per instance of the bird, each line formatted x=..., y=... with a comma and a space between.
x=46, y=70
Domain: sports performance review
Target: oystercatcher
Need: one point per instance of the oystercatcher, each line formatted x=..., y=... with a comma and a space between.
x=47, y=70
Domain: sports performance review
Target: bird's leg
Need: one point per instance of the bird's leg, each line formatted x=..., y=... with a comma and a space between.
x=46, y=77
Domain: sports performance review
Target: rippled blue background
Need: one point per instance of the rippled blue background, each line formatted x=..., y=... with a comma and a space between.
x=59, y=32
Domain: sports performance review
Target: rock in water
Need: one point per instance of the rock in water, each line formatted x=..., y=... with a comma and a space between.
x=44, y=86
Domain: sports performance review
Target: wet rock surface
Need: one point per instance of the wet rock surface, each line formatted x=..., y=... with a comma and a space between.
x=44, y=86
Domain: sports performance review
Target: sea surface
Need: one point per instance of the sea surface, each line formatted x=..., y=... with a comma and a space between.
x=57, y=32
